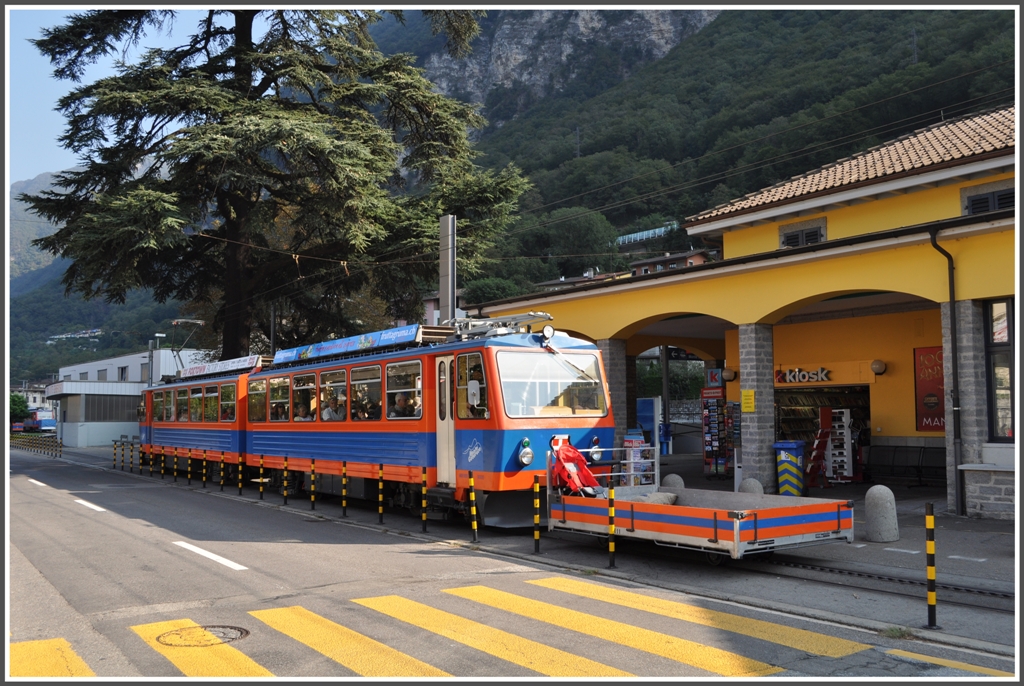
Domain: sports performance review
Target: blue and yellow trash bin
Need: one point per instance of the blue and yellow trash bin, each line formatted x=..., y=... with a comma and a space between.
x=789, y=463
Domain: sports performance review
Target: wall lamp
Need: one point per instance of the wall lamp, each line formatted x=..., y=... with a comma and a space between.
x=728, y=374
x=878, y=367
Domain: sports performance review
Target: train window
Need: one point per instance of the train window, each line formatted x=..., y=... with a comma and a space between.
x=182, y=405
x=442, y=391
x=405, y=390
x=304, y=397
x=158, y=405
x=227, y=402
x=471, y=387
x=212, y=400
x=258, y=401
x=546, y=384
x=195, y=404
x=333, y=395
x=366, y=393
x=279, y=400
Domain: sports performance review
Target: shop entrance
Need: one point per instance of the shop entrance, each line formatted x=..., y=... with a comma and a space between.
x=797, y=411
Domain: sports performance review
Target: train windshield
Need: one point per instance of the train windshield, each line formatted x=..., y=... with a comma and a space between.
x=546, y=384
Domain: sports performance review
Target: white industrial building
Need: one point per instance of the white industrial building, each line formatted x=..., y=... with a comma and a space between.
x=97, y=402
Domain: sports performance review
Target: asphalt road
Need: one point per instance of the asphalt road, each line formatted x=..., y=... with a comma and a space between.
x=122, y=575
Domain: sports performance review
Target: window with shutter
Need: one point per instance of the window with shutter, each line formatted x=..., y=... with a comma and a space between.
x=990, y=202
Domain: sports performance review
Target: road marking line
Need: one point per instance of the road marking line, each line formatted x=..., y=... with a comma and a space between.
x=49, y=658
x=509, y=647
x=361, y=654
x=691, y=653
x=949, y=663
x=37, y=483
x=969, y=559
x=800, y=639
x=902, y=550
x=859, y=545
x=90, y=505
x=203, y=655
x=216, y=558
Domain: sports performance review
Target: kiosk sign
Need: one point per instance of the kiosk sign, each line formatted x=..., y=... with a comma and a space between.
x=929, y=389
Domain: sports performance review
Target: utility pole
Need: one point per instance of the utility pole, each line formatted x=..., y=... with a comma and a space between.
x=446, y=285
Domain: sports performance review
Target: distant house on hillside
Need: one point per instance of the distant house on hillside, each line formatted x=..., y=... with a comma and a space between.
x=592, y=275
x=670, y=261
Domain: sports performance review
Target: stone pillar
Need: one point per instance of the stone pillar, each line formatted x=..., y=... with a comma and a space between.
x=757, y=373
x=970, y=333
x=616, y=367
x=631, y=393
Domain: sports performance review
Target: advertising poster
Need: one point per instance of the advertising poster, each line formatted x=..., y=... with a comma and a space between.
x=929, y=390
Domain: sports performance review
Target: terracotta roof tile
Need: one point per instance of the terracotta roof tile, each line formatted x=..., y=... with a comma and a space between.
x=946, y=141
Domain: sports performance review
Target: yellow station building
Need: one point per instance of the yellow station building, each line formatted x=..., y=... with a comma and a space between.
x=833, y=289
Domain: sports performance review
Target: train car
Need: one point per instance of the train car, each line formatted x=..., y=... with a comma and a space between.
x=40, y=420
x=478, y=397
x=197, y=415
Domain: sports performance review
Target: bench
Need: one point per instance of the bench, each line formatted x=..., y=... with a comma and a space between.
x=906, y=462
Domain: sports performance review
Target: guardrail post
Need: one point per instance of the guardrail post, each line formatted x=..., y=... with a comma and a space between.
x=536, y=513
x=472, y=506
x=929, y=530
x=380, y=493
x=423, y=500
x=285, y=480
x=611, y=526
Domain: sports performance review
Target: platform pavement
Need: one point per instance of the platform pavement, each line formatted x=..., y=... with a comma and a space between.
x=970, y=552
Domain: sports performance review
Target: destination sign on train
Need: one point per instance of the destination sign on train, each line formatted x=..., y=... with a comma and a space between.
x=366, y=341
x=223, y=366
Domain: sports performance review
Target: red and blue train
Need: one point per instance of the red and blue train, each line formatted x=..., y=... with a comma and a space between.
x=480, y=396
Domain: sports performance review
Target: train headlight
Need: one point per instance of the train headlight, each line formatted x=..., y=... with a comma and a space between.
x=526, y=453
x=548, y=332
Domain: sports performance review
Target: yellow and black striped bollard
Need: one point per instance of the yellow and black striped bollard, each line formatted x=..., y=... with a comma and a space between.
x=380, y=493
x=204, y=467
x=929, y=532
x=285, y=490
x=536, y=513
x=241, y=468
x=344, y=488
x=175, y=465
x=221, y=471
x=163, y=461
x=188, y=471
x=261, y=477
x=312, y=483
x=611, y=526
x=151, y=453
x=131, y=458
x=472, y=507
x=60, y=448
x=122, y=456
x=423, y=501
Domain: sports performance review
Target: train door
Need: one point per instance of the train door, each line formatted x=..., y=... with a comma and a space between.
x=445, y=421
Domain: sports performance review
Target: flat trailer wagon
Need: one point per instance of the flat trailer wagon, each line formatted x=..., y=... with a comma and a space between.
x=718, y=523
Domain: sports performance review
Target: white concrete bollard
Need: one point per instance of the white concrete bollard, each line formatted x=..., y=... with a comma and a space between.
x=751, y=485
x=673, y=481
x=880, y=523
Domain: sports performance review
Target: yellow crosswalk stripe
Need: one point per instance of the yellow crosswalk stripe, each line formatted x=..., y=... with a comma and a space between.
x=357, y=652
x=800, y=639
x=704, y=657
x=52, y=657
x=515, y=649
x=949, y=663
x=197, y=652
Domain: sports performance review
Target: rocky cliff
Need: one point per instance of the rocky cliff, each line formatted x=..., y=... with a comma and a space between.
x=537, y=53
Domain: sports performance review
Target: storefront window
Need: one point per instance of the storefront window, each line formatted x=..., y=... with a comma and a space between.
x=1000, y=353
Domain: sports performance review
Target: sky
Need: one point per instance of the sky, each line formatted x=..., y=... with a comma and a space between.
x=33, y=125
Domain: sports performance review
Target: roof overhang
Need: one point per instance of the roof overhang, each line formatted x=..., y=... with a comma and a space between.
x=63, y=389
x=863, y=192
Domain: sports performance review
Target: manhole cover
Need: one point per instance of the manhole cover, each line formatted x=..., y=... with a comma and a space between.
x=202, y=636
